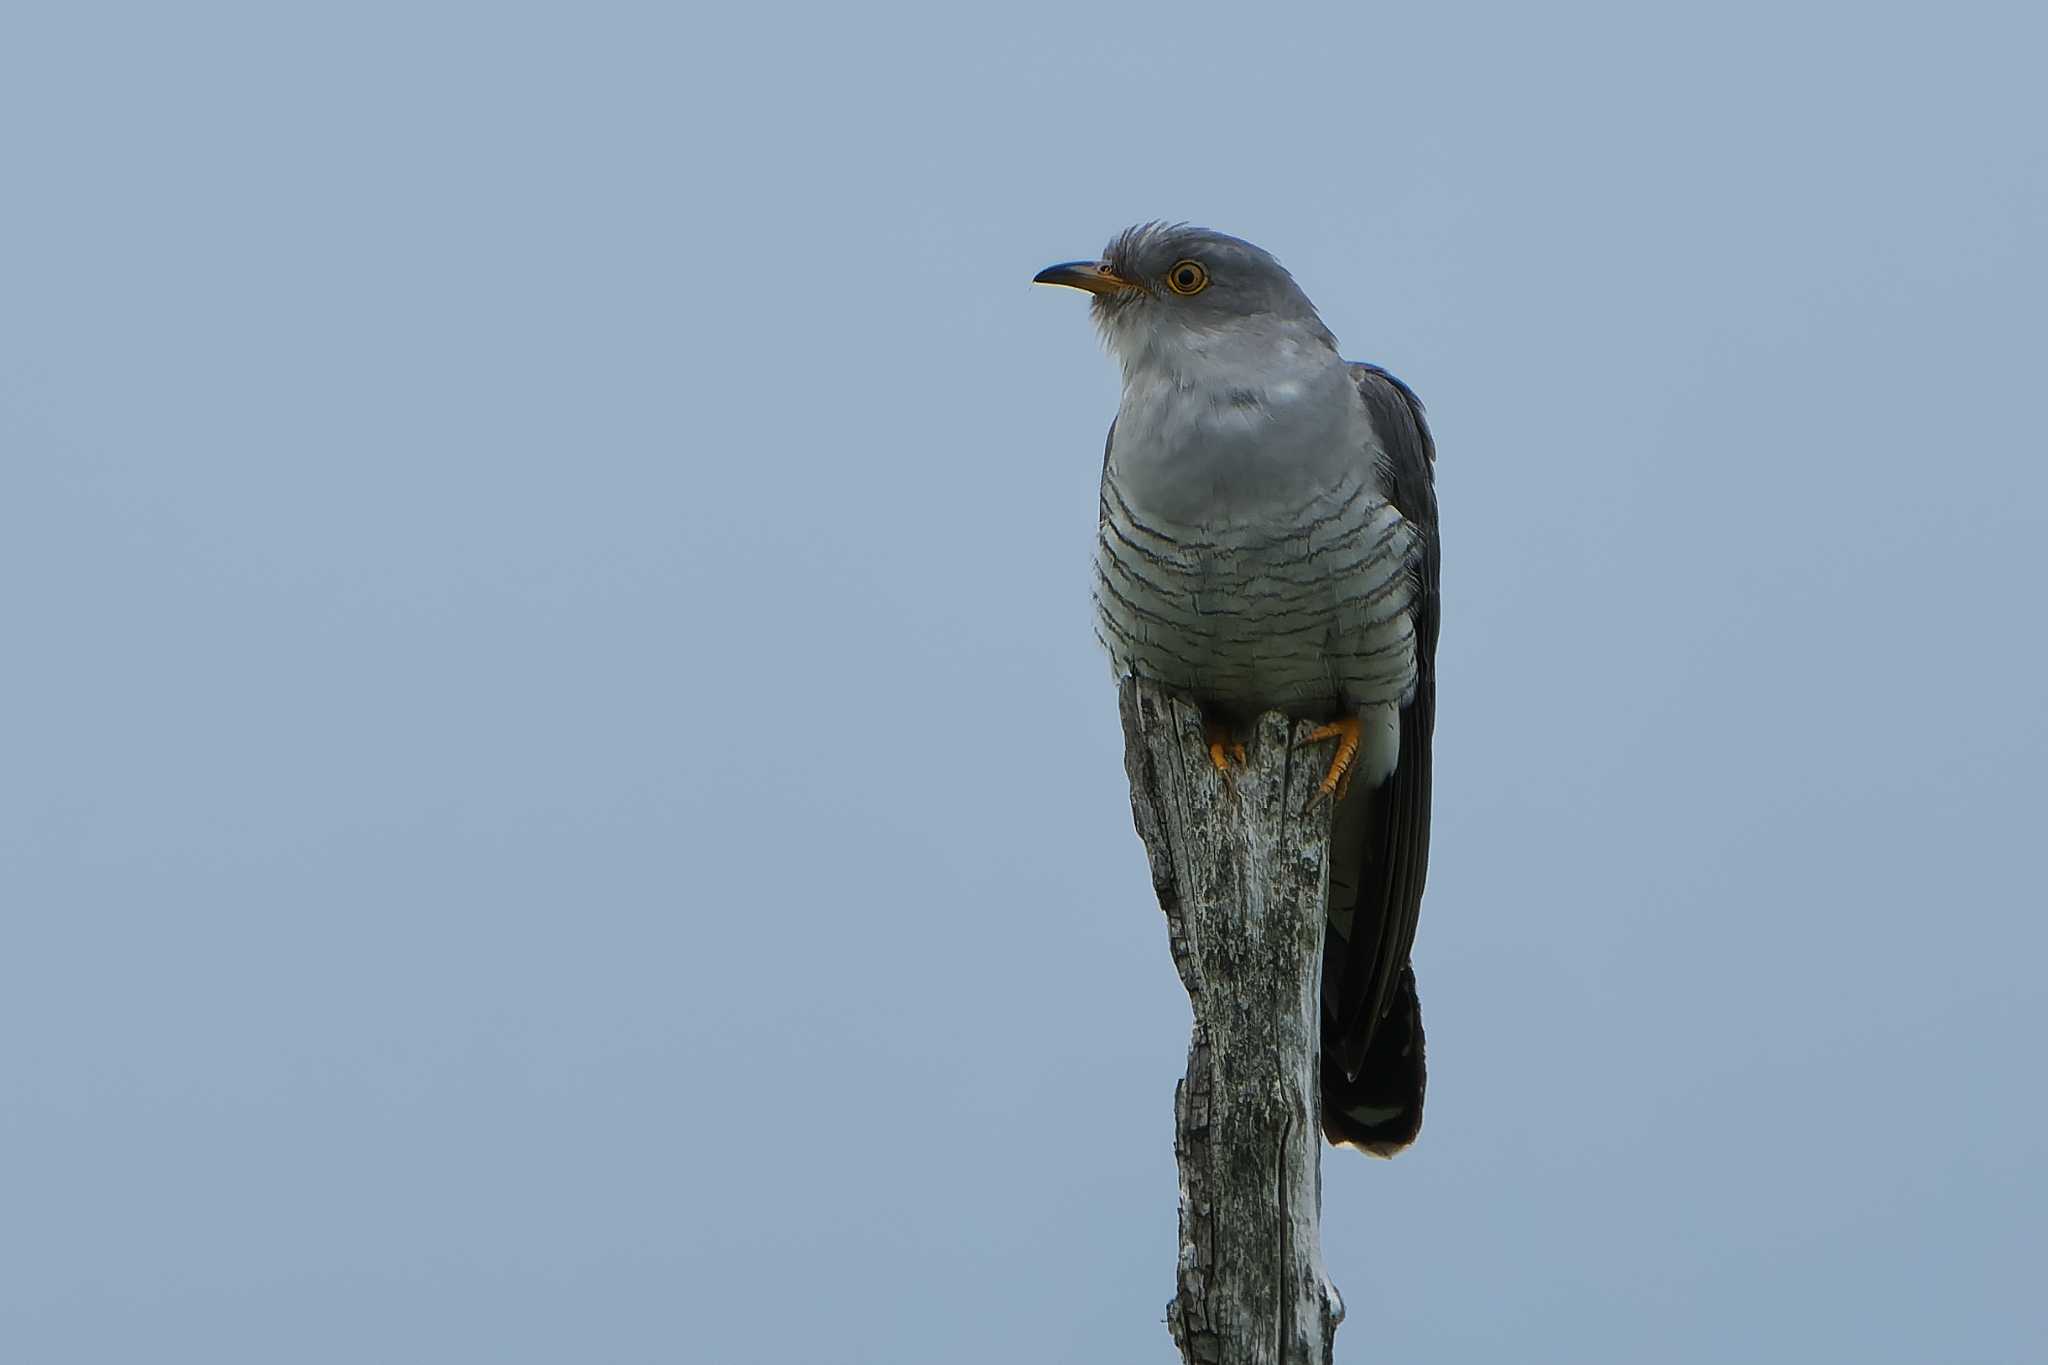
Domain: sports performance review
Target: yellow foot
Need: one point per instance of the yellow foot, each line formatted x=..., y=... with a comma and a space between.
x=1222, y=746
x=1337, y=780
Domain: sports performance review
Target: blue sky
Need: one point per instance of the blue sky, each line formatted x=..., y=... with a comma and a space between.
x=559, y=801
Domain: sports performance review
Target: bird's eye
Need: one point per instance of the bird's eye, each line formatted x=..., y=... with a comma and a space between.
x=1187, y=277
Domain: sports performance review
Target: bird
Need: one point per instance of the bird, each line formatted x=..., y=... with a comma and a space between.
x=1267, y=540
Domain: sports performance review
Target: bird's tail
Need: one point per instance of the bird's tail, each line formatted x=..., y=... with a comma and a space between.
x=1378, y=1111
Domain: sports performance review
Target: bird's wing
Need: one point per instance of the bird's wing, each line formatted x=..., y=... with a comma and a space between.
x=1383, y=834
x=1102, y=502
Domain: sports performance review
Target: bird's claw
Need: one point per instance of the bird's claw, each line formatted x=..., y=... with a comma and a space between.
x=1223, y=747
x=1337, y=781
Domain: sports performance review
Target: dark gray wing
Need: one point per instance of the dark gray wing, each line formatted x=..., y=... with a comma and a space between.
x=1383, y=834
x=1102, y=503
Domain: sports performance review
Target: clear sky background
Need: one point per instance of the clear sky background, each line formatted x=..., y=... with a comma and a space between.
x=558, y=803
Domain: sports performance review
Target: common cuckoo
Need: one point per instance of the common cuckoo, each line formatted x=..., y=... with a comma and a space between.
x=1268, y=541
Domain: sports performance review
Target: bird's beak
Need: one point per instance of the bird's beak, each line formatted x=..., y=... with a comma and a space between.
x=1094, y=276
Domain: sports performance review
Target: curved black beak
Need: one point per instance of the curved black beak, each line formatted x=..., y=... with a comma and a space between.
x=1093, y=276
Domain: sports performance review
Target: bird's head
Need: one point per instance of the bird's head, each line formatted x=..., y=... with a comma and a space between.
x=1168, y=286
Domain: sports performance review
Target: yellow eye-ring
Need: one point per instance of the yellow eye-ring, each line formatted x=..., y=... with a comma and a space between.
x=1187, y=277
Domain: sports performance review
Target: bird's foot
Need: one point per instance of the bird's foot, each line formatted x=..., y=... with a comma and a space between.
x=1223, y=746
x=1337, y=781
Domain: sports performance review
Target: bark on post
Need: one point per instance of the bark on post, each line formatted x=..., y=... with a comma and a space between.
x=1243, y=875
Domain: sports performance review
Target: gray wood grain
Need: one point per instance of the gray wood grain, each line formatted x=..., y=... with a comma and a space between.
x=1241, y=867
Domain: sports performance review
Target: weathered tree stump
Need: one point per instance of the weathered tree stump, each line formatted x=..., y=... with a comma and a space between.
x=1241, y=864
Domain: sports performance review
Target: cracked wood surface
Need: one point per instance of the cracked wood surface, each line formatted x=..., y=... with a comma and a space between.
x=1241, y=866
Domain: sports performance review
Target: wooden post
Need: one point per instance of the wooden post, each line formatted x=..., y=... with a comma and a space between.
x=1243, y=876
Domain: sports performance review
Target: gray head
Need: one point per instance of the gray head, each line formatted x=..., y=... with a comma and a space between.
x=1159, y=282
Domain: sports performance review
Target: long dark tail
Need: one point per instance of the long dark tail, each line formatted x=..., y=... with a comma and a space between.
x=1379, y=1111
